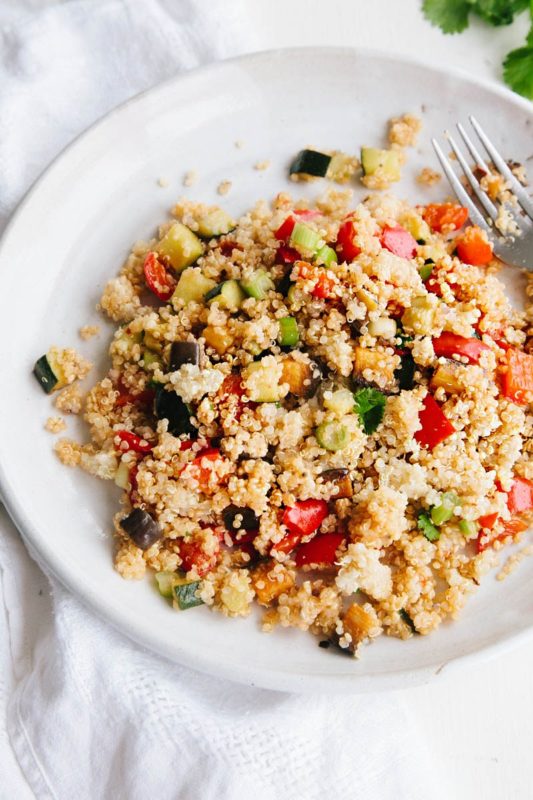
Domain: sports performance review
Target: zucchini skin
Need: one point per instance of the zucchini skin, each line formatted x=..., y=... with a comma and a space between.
x=45, y=375
x=310, y=162
x=170, y=406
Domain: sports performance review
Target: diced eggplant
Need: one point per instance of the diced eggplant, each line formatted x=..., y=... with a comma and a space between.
x=448, y=376
x=248, y=519
x=170, y=406
x=184, y=353
x=302, y=378
x=217, y=338
x=406, y=371
x=142, y=528
x=341, y=480
x=380, y=363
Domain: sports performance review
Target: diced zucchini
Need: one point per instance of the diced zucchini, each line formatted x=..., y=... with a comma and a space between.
x=300, y=378
x=49, y=379
x=185, y=594
x=417, y=226
x=420, y=317
x=332, y=435
x=288, y=332
x=227, y=294
x=469, y=528
x=122, y=475
x=216, y=222
x=262, y=388
x=181, y=246
x=426, y=270
x=384, y=327
x=310, y=162
x=444, y=511
x=192, y=286
x=258, y=284
x=326, y=256
x=291, y=294
x=218, y=338
x=448, y=376
x=342, y=167
x=341, y=402
x=305, y=239
x=165, y=582
x=153, y=344
x=149, y=358
x=383, y=163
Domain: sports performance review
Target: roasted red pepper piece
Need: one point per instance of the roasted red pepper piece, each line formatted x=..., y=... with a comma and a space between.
x=205, y=470
x=130, y=441
x=305, y=517
x=449, y=345
x=520, y=496
x=398, y=241
x=436, y=427
x=320, y=550
x=346, y=248
x=445, y=216
x=192, y=555
x=517, y=381
x=288, y=543
x=158, y=278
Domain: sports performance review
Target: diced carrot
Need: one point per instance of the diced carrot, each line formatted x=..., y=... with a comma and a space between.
x=473, y=247
x=445, y=216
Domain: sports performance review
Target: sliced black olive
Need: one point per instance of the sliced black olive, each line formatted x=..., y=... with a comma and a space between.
x=169, y=405
x=184, y=353
x=141, y=528
x=249, y=520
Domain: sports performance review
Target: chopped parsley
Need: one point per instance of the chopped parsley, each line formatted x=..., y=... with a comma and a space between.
x=430, y=531
x=370, y=407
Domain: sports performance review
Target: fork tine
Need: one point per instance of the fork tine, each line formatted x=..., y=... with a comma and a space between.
x=459, y=189
x=517, y=188
x=474, y=152
x=485, y=201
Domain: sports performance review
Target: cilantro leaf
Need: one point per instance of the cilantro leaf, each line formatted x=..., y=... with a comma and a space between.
x=426, y=526
x=499, y=12
x=451, y=16
x=370, y=406
x=518, y=68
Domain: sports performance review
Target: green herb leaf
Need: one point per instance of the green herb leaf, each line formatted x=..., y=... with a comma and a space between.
x=425, y=525
x=518, y=68
x=499, y=12
x=451, y=16
x=370, y=407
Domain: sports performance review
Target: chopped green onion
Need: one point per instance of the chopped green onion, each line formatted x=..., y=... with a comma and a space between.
x=469, y=528
x=370, y=407
x=425, y=271
x=425, y=525
x=326, y=255
x=305, y=238
x=258, y=284
x=444, y=511
x=288, y=332
x=332, y=436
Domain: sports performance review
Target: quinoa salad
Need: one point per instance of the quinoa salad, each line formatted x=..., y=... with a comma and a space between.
x=320, y=408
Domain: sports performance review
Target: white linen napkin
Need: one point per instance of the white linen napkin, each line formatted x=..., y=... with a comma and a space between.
x=84, y=712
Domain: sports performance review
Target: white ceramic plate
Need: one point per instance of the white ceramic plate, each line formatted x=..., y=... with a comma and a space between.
x=71, y=234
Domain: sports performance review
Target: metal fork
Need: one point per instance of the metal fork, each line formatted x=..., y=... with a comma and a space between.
x=516, y=250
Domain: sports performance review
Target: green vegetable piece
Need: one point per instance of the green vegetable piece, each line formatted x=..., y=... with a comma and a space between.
x=332, y=436
x=407, y=619
x=386, y=162
x=326, y=256
x=216, y=222
x=192, y=286
x=165, y=582
x=370, y=407
x=258, y=284
x=405, y=374
x=310, y=162
x=227, y=294
x=305, y=238
x=444, y=512
x=181, y=246
x=426, y=271
x=426, y=526
x=341, y=402
x=45, y=375
x=149, y=357
x=469, y=528
x=288, y=332
x=185, y=595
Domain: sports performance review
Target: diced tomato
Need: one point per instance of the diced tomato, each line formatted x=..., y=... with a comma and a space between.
x=488, y=520
x=517, y=381
x=320, y=550
x=211, y=454
x=288, y=543
x=520, y=497
x=186, y=444
x=305, y=517
x=286, y=255
x=473, y=247
x=445, y=216
x=398, y=241
x=436, y=427
x=130, y=441
x=433, y=286
x=158, y=278
x=324, y=280
x=512, y=527
x=192, y=555
x=231, y=392
x=449, y=345
x=284, y=231
x=346, y=247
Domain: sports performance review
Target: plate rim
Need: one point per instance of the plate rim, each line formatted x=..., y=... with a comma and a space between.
x=255, y=676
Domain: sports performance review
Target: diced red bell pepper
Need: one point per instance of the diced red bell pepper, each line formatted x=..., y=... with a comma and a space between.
x=473, y=247
x=205, y=470
x=398, y=241
x=130, y=441
x=320, y=550
x=436, y=427
x=511, y=528
x=186, y=444
x=346, y=247
x=445, y=216
x=232, y=388
x=305, y=517
x=517, y=382
x=286, y=255
x=520, y=497
x=433, y=286
x=449, y=345
x=324, y=280
x=284, y=231
x=288, y=543
x=488, y=520
x=158, y=278
x=192, y=555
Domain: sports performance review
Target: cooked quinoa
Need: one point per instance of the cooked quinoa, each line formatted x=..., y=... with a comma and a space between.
x=55, y=424
x=326, y=414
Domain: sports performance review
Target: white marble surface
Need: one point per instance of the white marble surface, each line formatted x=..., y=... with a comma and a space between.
x=480, y=720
